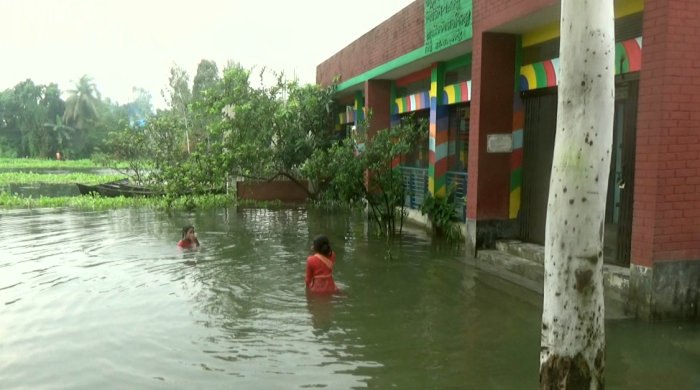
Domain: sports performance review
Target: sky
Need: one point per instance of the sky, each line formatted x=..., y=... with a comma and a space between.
x=127, y=43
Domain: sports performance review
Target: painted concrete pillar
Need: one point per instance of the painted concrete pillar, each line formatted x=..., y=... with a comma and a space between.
x=378, y=101
x=666, y=227
x=488, y=192
x=437, y=182
x=395, y=117
x=516, y=158
x=359, y=107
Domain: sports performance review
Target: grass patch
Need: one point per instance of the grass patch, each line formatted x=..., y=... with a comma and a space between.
x=69, y=178
x=14, y=163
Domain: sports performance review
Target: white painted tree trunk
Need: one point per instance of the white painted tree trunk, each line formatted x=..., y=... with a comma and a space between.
x=572, y=352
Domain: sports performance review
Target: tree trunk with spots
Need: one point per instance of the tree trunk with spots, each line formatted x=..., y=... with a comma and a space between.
x=572, y=352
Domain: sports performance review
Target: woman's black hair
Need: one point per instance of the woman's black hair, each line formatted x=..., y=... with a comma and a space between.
x=185, y=230
x=322, y=245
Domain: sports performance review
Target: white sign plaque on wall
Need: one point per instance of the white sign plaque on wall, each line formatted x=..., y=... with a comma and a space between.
x=499, y=143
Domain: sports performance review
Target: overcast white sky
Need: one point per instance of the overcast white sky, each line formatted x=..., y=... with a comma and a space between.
x=126, y=43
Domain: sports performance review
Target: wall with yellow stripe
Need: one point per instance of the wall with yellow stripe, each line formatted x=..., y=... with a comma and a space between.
x=551, y=31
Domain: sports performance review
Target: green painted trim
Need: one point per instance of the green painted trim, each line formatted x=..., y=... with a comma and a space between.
x=516, y=178
x=518, y=61
x=458, y=62
x=360, y=104
x=440, y=182
x=540, y=74
x=458, y=94
x=381, y=69
x=621, y=53
x=437, y=76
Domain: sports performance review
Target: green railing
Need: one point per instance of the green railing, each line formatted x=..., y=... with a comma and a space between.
x=460, y=180
x=416, y=183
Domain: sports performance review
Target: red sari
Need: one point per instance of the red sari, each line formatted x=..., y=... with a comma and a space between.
x=319, y=276
x=187, y=244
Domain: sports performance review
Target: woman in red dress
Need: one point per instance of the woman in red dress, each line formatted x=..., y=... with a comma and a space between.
x=189, y=239
x=319, y=268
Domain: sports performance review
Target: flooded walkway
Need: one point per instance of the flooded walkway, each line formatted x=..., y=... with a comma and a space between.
x=103, y=300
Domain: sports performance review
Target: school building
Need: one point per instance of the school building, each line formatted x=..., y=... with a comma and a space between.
x=485, y=74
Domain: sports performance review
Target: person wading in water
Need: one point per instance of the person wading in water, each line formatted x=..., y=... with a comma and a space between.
x=319, y=268
x=189, y=239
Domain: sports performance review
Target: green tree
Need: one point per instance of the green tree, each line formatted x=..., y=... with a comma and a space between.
x=265, y=137
x=205, y=82
x=350, y=176
x=206, y=78
x=140, y=107
x=82, y=103
x=179, y=97
x=30, y=115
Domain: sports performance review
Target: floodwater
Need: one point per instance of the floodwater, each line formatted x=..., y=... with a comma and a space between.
x=103, y=300
x=36, y=190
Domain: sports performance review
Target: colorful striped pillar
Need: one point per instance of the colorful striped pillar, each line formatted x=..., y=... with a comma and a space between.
x=437, y=182
x=359, y=118
x=395, y=116
x=516, y=157
x=359, y=108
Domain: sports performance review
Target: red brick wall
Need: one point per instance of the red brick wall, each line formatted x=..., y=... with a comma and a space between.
x=285, y=191
x=398, y=35
x=494, y=190
x=489, y=14
x=378, y=99
x=667, y=176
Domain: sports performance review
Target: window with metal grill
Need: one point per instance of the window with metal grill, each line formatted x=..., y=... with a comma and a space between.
x=629, y=27
x=413, y=88
x=626, y=28
x=458, y=75
x=458, y=138
x=419, y=157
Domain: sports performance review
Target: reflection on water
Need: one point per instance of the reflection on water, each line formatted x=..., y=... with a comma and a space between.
x=36, y=190
x=104, y=300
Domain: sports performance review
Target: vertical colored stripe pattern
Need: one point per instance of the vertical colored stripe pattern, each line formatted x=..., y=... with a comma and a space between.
x=347, y=117
x=439, y=145
x=516, y=157
x=419, y=101
x=628, y=58
x=457, y=93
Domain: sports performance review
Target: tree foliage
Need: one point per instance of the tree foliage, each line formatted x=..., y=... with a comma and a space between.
x=347, y=174
x=261, y=136
x=36, y=122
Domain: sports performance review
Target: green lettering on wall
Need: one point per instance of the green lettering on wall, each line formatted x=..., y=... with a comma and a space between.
x=447, y=23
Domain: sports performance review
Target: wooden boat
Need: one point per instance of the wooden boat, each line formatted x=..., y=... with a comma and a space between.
x=115, y=189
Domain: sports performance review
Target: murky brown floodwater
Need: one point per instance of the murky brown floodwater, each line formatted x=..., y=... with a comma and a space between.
x=102, y=300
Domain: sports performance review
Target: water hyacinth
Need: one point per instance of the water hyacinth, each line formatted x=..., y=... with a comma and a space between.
x=96, y=202
x=10, y=201
x=14, y=163
x=69, y=178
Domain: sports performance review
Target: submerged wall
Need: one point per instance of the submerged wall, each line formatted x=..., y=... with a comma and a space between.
x=284, y=191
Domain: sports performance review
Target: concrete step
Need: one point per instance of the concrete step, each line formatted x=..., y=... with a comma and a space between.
x=515, y=269
x=523, y=250
x=530, y=274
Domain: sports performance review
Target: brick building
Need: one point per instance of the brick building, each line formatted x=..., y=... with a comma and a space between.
x=485, y=74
